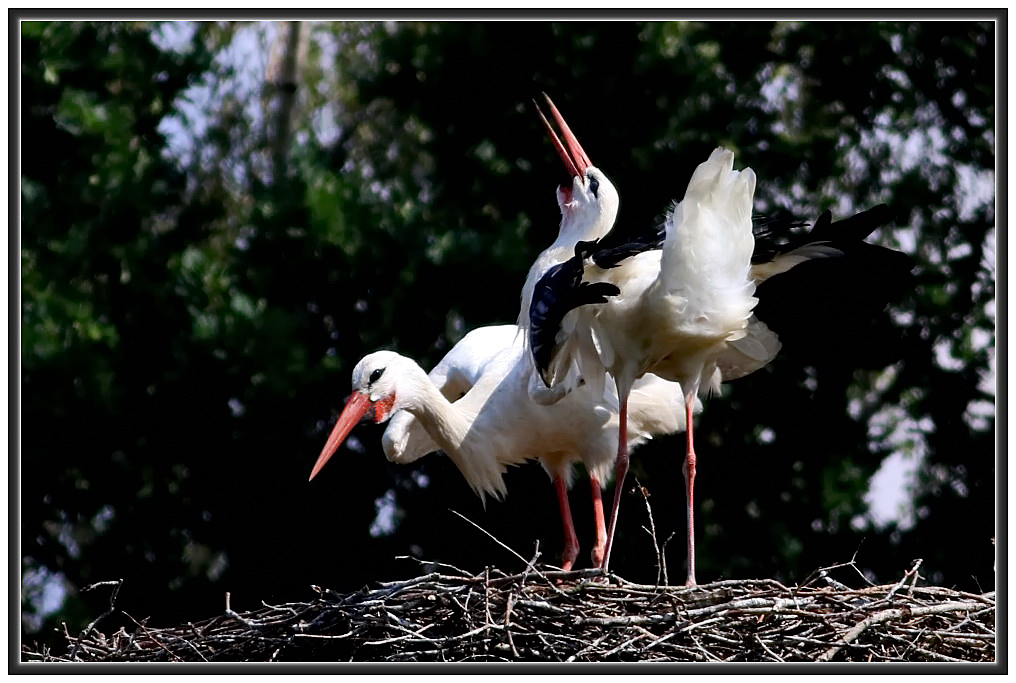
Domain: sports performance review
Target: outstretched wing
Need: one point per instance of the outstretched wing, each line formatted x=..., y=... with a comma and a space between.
x=824, y=291
x=780, y=247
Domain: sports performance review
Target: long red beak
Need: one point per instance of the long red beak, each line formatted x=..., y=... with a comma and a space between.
x=575, y=159
x=357, y=405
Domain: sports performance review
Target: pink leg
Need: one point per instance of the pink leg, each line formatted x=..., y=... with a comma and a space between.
x=601, y=528
x=620, y=470
x=571, y=540
x=689, y=482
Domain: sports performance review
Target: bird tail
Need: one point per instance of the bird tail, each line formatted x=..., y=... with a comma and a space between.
x=755, y=350
x=707, y=251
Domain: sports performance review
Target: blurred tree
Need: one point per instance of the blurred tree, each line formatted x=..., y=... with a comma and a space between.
x=103, y=361
x=205, y=257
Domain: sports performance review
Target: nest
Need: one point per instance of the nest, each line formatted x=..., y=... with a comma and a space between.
x=540, y=615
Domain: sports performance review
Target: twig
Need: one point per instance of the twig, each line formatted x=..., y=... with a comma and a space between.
x=912, y=572
x=489, y=535
x=112, y=608
x=160, y=644
x=886, y=615
x=769, y=652
x=508, y=623
x=661, y=562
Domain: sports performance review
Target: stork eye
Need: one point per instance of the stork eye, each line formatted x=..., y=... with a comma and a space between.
x=375, y=375
x=594, y=187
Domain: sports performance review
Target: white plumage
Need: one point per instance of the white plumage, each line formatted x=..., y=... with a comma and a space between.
x=588, y=206
x=491, y=369
x=681, y=311
x=702, y=297
x=405, y=439
x=588, y=210
x=494, y=424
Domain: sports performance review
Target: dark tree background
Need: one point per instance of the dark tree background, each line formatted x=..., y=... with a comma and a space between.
x=219, y=219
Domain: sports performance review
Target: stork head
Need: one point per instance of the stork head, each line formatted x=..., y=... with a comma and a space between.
x=374, y=397
x=588, y=200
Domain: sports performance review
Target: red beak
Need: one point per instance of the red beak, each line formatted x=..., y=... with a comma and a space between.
x=575, y=159
x=357, y=405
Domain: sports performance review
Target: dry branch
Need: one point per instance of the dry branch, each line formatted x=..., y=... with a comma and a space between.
x=542, y=615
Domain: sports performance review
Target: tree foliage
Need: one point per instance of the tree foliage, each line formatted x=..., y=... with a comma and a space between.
x=192, y=305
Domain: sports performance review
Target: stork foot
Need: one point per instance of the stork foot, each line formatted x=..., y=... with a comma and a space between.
x=598, y=554
x=569, y=554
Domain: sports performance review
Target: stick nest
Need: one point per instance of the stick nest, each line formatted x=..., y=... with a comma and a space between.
x=538, y=615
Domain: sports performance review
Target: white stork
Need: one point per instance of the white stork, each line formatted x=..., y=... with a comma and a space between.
x=682, y=302
x=588, y=205
x=678, y=318
x=495, y=424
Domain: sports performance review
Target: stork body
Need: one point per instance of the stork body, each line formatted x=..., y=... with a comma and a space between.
x=588, y=204
x=494, y=424
x=805, y=285
x=676, y=312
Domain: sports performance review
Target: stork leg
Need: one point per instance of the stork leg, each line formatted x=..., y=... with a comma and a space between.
x=620, y=470
x=571, y=540
x=689, y=483
x=601, y=528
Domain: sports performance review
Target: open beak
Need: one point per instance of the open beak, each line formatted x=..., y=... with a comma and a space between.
x=575, y=159
x=356, y=407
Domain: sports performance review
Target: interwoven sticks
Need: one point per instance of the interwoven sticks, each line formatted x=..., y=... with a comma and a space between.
x=448, y=615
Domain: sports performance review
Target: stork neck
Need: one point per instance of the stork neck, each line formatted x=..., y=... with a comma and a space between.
x=443, y=421
x=572, y=231
x=451, y=428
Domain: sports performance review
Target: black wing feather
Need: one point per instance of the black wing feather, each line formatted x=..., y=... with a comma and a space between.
x=807, y=303
x=776, y=234
x=833, y=308
x=559, y=291
x=611, y=257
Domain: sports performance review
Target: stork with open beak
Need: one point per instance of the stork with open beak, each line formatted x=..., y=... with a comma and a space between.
x=487, y=366
x=588, y=204
x=685, y=298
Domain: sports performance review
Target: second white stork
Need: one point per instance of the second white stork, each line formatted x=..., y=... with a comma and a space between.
x=495, y=424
